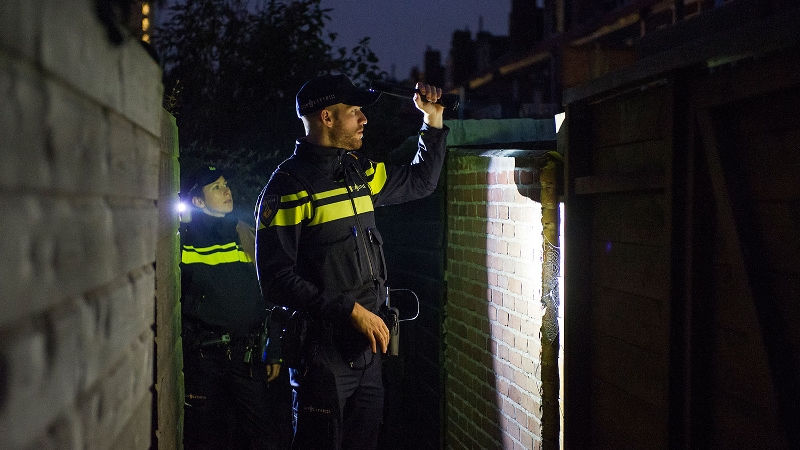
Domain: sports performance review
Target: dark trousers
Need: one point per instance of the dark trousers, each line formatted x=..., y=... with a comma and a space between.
x=336, y=405
x=229, y=404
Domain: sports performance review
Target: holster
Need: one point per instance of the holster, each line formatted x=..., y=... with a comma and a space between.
x=294, y=338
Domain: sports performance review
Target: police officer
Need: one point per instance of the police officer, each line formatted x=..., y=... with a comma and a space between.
x=231, y=398
x=320, y=253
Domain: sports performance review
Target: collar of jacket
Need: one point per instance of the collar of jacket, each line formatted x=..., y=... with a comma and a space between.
x=212, y=223
x=327, y=160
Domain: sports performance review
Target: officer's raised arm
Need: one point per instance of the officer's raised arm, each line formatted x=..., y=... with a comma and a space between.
x=425, y=100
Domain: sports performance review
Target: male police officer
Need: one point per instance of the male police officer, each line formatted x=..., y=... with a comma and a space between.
x=229, y=403
x=319, y=252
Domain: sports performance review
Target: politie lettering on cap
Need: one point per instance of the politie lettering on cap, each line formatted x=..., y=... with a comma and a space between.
x=329, y=90
x=203, y=176
x=309, y=105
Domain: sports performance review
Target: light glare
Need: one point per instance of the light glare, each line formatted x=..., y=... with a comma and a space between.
x=559, y=120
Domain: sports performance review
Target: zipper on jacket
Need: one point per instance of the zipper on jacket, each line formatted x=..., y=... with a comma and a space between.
x=358, y=227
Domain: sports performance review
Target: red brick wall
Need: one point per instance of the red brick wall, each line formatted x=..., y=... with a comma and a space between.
x=493, y=306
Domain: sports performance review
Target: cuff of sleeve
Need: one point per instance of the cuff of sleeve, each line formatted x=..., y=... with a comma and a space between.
x=347, y=305
x=336, y=308
x=433, y=132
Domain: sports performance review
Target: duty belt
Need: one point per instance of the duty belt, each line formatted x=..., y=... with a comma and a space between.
x=241, y=344
x=215, y=341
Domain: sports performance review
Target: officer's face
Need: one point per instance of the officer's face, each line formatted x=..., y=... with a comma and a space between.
x=217, y=199
x=348, y=126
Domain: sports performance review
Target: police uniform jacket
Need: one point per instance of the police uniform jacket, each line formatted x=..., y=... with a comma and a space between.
x=219, y=285
x=318, y=250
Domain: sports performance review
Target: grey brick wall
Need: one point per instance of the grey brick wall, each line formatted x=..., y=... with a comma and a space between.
x=80, y=121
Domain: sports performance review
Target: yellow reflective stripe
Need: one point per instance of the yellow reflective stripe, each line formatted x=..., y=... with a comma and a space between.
x=291, y=216
x=216, y=254
x=341, y=209
x=224, y=247
x=288, y=216
x=330, y=212
x=378, y=181
x=331, y=193
x=294, y=197
x=343, y=190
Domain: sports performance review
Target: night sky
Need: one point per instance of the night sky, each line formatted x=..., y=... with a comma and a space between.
x=401, y=30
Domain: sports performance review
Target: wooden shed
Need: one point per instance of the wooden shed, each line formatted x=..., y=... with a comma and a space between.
x=682, y=260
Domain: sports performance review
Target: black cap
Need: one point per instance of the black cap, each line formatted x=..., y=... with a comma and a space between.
x=329, y=90
x=201, y=177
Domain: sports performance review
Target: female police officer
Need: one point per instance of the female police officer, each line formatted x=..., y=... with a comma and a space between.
x=229, y=403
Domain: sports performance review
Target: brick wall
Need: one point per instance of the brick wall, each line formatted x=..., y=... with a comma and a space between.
x=493, y=310
x=80, y=120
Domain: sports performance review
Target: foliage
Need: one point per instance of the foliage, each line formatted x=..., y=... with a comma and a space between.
x=231, y=70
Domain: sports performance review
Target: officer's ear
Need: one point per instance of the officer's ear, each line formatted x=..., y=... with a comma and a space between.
x=198, y=202
x=326, y=117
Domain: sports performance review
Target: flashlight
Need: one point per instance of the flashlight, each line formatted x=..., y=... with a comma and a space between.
x=449, y=101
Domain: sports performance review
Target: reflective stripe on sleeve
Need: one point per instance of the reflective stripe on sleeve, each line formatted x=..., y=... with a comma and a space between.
x=378, y=172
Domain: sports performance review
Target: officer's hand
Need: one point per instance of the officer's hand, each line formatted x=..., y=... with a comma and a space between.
x=370, y=326
x=425, y=101
x=273, y=370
